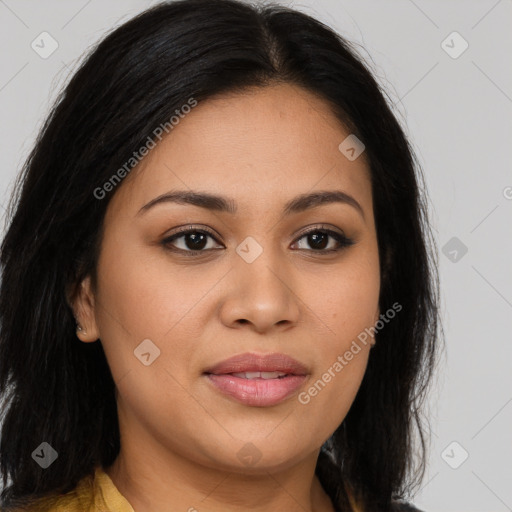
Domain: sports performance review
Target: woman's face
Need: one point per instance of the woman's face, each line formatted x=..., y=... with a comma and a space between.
x=257, y=283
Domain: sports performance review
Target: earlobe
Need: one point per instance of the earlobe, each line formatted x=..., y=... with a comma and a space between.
x=84, y=308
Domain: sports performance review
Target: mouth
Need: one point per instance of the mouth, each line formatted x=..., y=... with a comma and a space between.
x=265, y=364
x=258, y=380
x=257, y=375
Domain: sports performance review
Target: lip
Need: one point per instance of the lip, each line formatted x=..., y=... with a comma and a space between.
x=258, y=392
x=251, y=362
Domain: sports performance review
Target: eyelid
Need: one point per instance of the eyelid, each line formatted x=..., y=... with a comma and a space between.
x=339, y=236
x=319, y=227
x=192, y=227
x=343, y=240
x=189, y=228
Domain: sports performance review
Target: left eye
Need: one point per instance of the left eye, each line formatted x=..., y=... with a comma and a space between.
x=196, y=241
x=318, y=239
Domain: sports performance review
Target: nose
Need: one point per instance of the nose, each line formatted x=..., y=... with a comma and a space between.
x=261, y=297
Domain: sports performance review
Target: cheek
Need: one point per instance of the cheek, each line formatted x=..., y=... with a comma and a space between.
x=344, y=299
x=142, y=296
x=135, y=302
x=346, y=306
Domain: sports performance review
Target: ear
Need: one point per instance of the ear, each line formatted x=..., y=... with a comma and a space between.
x=84, y=307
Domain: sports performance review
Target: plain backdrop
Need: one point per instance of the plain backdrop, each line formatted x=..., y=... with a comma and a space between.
x=446, y=68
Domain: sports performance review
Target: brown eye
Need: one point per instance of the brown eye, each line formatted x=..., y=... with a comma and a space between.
x=318, y=240
x=191, y=240
x=195, y=241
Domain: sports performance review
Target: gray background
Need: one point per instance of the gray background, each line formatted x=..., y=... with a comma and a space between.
x=457, y=112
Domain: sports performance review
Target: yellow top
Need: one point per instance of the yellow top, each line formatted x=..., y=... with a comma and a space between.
x=92, y=494
x=96, y=493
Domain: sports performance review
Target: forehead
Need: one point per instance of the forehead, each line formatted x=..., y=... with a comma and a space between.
x=256, y=145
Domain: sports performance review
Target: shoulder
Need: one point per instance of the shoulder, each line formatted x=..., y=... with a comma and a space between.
x=80, y=499
x=47, y=504
x=403, y=506
x=55, y=503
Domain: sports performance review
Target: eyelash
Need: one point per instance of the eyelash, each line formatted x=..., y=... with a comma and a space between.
x=341, y=239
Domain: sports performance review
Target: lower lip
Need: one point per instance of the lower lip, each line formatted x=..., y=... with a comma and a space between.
x=257, y=392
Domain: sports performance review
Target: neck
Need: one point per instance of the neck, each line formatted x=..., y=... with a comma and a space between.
x=154, y=479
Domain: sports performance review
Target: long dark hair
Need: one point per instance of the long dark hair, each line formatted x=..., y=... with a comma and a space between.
x=58, y=390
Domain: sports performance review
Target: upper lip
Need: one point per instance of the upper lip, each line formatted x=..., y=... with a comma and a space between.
x=251, y=362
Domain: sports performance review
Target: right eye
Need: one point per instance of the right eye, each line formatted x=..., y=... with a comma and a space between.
x=194, y=241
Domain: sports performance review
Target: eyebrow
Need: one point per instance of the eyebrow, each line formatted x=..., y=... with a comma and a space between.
x=218, y=203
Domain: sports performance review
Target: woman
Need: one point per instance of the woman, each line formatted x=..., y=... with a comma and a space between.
x=217, y=286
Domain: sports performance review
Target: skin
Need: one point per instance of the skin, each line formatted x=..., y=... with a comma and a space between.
x=179, y=435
